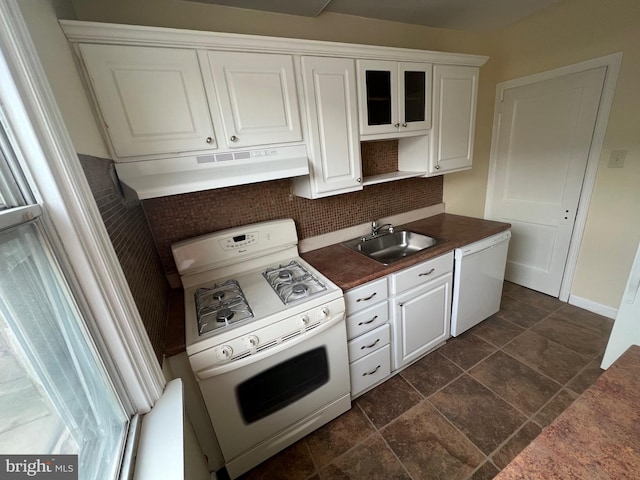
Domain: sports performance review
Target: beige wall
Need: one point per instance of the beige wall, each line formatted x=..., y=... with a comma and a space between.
x=329, y=26
x=55, y=55
x=573, y=31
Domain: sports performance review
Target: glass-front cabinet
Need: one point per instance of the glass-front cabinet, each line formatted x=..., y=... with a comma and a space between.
x=393, y=98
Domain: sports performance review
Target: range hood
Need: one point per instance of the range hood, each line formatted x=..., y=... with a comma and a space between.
x=172, y=176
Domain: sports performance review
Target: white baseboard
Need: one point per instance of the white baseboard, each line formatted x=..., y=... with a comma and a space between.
x=594, y=307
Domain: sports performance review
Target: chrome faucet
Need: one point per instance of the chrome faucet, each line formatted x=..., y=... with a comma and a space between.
x=375, y=228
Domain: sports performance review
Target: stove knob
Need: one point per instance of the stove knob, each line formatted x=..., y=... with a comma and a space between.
x=324, y=312
x=304, y=320
x=225, y=352
x=252, y=341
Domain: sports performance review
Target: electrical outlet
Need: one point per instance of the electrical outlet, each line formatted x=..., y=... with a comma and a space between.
x=616, y=159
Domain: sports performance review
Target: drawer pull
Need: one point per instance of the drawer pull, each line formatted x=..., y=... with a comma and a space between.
x=371, y=372
x=370, y=346
x=427, y=273
x=368, y=298
x=368, y=321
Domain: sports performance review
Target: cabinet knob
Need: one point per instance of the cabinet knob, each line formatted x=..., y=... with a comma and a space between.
x=209, y=140
x=404, y=125
x=437, y=167
x=396, y=125
x=359, y=180
x=233, y=138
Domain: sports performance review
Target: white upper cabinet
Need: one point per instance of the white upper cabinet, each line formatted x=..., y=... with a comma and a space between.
x=257, y=98
x=455, y=92
x=179, y=102
x=152, y=100
x=332, y=114
x=394, y=98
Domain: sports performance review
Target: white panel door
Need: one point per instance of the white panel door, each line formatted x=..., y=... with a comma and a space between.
x=152, y=100
x=455, y=91
x=332, y=108
x=257, y=98
x=540, y=155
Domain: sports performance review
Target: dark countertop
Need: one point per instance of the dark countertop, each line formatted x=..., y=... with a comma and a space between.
x=596, y=438
x=348, y=269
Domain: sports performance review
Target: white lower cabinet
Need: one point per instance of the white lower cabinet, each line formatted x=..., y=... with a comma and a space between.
x=394, y=320
x=421, y=309
x=368, y=335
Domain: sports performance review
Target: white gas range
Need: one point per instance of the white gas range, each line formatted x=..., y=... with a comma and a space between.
x=265, y=337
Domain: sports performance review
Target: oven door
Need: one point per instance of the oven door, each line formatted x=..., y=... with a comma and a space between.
x=256, y=397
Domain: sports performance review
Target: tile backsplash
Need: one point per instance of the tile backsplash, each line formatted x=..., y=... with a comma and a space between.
x=133, y=243
x=177, y=217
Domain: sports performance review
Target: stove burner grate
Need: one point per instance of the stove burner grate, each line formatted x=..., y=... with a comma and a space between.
x=292, y=282
x=220, y=305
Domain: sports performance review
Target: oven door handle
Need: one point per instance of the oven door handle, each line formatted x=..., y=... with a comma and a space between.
x=256, y=357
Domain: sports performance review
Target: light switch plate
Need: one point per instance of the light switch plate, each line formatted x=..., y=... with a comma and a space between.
x=616, y=159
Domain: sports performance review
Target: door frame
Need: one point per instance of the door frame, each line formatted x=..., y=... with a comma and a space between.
x=612, y=62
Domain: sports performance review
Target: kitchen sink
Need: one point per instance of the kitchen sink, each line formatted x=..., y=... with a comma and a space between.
x=391, y=247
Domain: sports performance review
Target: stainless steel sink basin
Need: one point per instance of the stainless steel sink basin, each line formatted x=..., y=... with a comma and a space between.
x=391, y=247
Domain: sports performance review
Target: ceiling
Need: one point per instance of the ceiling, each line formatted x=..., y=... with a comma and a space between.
x=469, y=15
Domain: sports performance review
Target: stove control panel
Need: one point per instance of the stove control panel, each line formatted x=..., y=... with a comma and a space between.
x=235, y=245
x=238, y=241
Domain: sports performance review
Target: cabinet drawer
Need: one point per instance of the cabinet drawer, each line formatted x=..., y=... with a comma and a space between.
x=369, y=342
x=421, y=273
x=370, y=370
x=366, y=320
x=366, y=295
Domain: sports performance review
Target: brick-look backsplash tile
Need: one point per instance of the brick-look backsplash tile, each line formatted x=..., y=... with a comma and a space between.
x=134, y=247
x=178, y=217
x=379, y=157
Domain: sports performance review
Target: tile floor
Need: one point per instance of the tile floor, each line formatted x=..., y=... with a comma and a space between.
x=465, y=410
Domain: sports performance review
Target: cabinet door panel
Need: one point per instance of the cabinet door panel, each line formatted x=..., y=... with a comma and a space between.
x=421, y=320
x=257, y=97
x=330, y=94
x=455, y=94
x=152, y=100
x=414, y=95
x=378, y=87
x=377, y=96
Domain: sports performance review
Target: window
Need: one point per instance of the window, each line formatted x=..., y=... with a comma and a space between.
x=55, y=394
x=72, y=344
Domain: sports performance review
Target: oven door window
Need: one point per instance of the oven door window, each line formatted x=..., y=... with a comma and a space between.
x=283, y=384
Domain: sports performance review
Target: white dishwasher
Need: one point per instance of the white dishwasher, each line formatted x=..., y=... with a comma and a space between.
x=477, y=281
